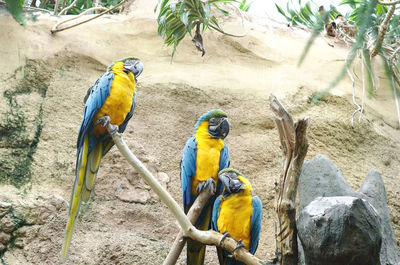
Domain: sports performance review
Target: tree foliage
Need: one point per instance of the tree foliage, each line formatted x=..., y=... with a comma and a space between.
x=177, y=18
x=378, y=32
x=15, y=8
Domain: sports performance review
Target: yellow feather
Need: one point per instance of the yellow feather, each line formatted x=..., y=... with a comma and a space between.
x=92, y=169
x=119, y=103
x=208, y=155
x=75, y=198
x=235, y=214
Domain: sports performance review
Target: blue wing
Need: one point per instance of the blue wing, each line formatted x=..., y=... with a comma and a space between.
x=122, y=127
x=223, y=163
x=188, y=170
x=215, y=214
x=95, y=98
x=256, y=220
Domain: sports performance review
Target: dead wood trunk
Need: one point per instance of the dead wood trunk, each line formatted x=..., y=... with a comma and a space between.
x=294, y=145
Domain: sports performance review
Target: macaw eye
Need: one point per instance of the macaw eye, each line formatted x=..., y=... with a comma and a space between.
x=127, y=64
x=216, y=121
x=213, y=121
x=233, y=176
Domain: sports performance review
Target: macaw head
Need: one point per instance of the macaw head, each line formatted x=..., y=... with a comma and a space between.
x=234, y=182
x=133, y=65
x=218, y=125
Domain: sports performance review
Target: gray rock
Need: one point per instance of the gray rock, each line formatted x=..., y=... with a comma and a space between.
x=7, y=224
x=163, y=178
x=2, y=247
x=37, y=209
x=4, y=208
x=340, y=230
x=4, y=238
x=321, y=178
x=127, y=193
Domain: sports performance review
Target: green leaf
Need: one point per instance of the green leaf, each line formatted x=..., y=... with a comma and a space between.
x=15, y=8
x=226, y=13
x=317, y=29
x=185, y=17
x=366, y=9
x=370, y=74
x=280, y=10
x=172, y=6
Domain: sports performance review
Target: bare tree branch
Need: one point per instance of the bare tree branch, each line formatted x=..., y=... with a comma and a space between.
x=205, y=237
x=193, y=215
x=65, y=10
x=56, y=29
x=56, y=6
x=383, y=29
x=294, y=145
x=388, y=3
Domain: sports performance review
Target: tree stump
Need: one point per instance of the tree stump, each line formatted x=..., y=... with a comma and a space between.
x=294, y=145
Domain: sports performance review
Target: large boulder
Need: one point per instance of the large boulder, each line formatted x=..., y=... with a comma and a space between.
x=321, y=178
x=340, y=230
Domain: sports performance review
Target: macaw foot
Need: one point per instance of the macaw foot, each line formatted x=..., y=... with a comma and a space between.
x=209, y=184
x=223, y=238
x=239, y=245
x=105, y=121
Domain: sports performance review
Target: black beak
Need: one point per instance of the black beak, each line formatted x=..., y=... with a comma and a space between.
x=219, y=130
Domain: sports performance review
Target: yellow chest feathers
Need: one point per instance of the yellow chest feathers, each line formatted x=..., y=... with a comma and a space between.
x=119, y=103
x=235, y=217
x=207, y=157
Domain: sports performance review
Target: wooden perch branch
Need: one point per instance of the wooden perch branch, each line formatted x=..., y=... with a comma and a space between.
x=294, y=145
x=205, y=237
x=193, y=215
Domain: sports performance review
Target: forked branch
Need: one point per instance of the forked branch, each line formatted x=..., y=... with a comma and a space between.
x=193, y=215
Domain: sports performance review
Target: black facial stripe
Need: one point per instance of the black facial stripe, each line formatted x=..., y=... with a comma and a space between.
x=216, y=121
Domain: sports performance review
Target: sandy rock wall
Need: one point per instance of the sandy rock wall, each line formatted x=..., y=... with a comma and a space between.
x=43, y=80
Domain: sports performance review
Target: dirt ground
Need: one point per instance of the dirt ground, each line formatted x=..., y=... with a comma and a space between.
x=44, y=77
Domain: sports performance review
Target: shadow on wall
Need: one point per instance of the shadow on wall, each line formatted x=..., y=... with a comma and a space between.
x=21, y=122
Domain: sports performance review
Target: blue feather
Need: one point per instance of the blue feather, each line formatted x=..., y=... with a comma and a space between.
x=256, y=220
x=98, y=94
x=188, y=170
x=215, y=213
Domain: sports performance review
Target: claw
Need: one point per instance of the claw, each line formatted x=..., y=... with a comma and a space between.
x=208, y=184
x=239, y=245
x=104, y=121
x=223, y=238
x=114, y=129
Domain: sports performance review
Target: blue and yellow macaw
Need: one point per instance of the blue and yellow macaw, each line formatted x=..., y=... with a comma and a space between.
x=237, y=213
x=110, y=100
x=204, y=155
